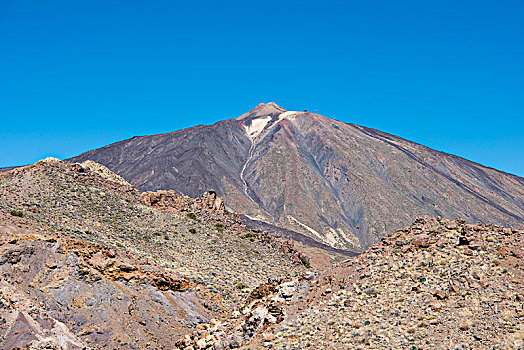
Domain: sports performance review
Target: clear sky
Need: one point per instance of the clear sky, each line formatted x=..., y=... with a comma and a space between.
x=77, y=75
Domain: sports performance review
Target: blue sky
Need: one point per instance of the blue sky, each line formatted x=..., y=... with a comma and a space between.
x=77, y=75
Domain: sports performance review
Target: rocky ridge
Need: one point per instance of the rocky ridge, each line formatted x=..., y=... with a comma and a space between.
x=170, y=200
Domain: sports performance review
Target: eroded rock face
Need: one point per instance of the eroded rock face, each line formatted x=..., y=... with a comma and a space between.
x=165, y=199
x=68, y=294
x=211, y=202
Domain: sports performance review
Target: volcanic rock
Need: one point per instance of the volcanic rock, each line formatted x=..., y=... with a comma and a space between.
x=341, y=184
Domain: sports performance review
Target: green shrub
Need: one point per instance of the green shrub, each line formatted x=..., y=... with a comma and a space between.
x=305, y=261
x=191, y=216
x=18, y=213
x=250, y=234
x=192, y=230
x=219, y=226
x=241, y=285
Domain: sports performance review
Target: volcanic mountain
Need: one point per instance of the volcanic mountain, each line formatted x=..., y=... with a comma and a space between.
x=342, y=184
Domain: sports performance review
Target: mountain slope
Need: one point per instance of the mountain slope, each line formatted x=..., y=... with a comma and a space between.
x=87, y=261
x=341, y=184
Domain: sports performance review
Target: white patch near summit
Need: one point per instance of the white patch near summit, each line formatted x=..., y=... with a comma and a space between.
x=256, y=127
x=287, y=114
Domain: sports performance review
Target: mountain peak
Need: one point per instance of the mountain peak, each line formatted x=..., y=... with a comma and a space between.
x=263, y=109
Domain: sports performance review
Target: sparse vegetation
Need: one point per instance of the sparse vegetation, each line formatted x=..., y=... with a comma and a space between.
x=241, y=285
x=305, y=261
x=250, y=235
x=191, y=243
x=18, y=213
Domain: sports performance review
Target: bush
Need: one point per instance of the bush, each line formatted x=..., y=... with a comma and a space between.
x=192, y=230
x=241, y=285
x=305, y=261
x=191, y=216
x=250, y=235
x=219, y=226
x=18, y=213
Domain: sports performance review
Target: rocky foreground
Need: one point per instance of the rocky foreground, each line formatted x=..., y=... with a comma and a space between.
x=437, y=284
x=89, y=262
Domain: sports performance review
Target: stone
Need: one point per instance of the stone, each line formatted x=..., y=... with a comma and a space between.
x=421, y=241
x=286, y=290
x=440, y=294
x=269, y=337
x=476, y=244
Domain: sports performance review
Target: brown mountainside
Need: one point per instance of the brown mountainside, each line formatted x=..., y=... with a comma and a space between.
x=89, y=262
x=341, y=184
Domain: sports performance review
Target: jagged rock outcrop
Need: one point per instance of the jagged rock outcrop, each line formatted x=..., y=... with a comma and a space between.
x=171, y=200
x=211, y=202
x=165, y=200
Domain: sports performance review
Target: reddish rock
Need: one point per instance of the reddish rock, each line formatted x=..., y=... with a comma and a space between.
x=476, y=244
x=163, y=199
x=421, y=241
x=440, y=294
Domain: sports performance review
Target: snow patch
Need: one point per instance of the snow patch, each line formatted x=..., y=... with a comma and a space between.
x=256, y=127
x=291, y=114
x=259, y=124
